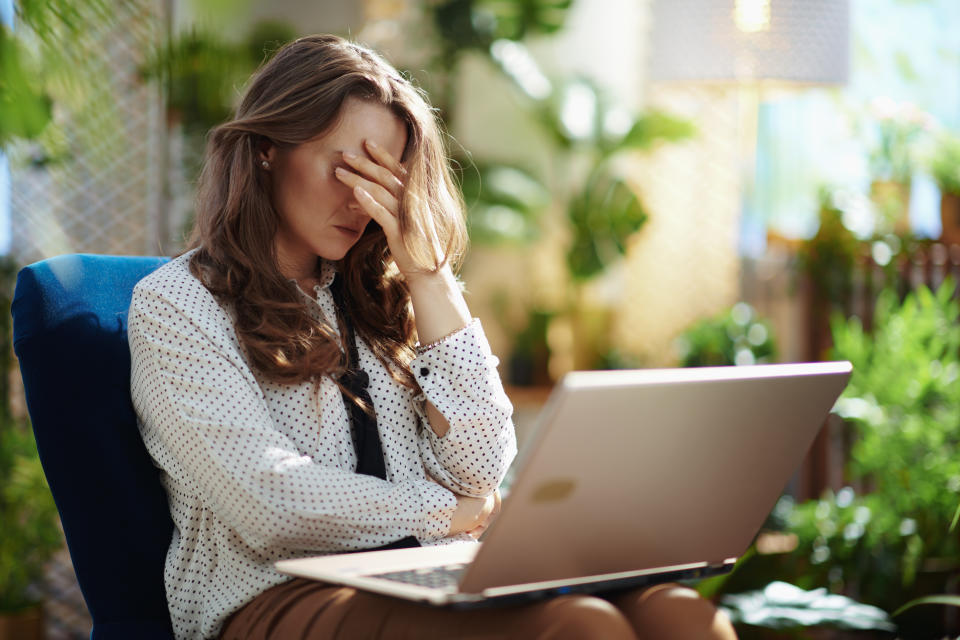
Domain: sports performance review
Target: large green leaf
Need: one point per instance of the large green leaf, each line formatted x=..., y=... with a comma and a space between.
x=951, y=601
x=199, y=71
x=783, y=606
x=503, y=203
x=517, y=19
x=577, y=112
x=25, y=110
x=476, y=24
x=602, y=217
x=656, y=126
x=48, y=19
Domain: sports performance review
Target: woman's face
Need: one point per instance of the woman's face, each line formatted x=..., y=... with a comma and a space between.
x=319, y=215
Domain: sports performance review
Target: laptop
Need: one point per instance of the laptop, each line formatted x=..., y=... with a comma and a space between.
x=631, y=477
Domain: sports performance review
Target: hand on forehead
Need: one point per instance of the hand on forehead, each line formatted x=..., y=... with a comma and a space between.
x=362, y=120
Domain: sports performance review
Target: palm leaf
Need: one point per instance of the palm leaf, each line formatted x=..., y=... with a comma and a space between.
x=603, y=217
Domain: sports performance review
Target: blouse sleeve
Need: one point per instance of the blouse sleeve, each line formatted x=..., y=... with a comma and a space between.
x=459, y=378
x=205, y=421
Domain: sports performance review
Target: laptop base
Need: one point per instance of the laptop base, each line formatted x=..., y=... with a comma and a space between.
x=603, y=586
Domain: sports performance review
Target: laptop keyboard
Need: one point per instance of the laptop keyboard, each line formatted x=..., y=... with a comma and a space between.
x=433, y=577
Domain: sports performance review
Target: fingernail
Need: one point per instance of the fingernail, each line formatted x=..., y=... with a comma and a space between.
x=349, y=155
x=340, y=171
x=372, y=143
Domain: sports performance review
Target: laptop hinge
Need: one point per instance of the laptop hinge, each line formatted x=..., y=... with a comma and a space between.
x=721, y=564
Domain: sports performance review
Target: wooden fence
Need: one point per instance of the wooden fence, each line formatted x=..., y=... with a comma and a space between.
x=808, y=299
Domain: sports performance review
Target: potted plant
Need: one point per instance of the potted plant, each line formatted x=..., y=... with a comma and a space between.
x=589, y=196
x=735, y=337
x=896, y=538
x=896, y=131
x=945, y=168
x=582, y=199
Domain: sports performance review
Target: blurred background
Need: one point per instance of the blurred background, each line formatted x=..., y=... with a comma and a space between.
x=650, y=183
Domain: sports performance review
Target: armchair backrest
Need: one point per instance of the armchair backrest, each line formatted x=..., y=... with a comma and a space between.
x=70, y=336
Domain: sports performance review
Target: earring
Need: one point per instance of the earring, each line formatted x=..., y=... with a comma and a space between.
x=265, y=164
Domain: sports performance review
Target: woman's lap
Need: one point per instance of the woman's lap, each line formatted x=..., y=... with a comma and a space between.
x=310, y=610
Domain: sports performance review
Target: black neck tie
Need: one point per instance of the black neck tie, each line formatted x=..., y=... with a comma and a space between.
x=354, y=382
x=363, y=422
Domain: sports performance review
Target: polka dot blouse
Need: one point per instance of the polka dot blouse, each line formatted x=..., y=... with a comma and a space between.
x=257, y=471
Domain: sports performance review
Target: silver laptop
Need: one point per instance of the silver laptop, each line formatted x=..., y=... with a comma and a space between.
x=631, y=478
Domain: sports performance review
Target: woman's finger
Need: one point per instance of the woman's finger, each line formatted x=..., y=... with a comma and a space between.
x=383, y=216
x=376, y=173
x=383, y=156
x=374, y=189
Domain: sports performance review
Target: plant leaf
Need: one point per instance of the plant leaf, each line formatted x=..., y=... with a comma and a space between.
x=953, y=601
x=603, y=216
x=656, y=126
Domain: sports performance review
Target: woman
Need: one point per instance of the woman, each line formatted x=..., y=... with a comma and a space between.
x=308, y=376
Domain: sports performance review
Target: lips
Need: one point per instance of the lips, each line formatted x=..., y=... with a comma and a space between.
x=350, y=231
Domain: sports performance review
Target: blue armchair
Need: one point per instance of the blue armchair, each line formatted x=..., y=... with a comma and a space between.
x=70, y=336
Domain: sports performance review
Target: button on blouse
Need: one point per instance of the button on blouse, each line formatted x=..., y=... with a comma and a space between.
x=257, y=471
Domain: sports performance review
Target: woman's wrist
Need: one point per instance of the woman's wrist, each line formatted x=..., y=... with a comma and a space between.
x=438, y=305
x=471, y=513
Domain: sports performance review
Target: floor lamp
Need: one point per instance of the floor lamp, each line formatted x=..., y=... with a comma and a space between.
x=751, y=47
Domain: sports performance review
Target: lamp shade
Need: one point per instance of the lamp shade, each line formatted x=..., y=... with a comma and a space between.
x=789, y=41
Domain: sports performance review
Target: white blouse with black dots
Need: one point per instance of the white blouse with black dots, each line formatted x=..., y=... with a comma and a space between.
x=257, y=471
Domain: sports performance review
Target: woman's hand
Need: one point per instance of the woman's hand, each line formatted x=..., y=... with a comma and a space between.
x=479, y=530
x=378, y=181
x=474, y=515
x=439, y=309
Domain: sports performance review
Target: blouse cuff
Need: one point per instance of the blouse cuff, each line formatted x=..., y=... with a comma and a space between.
x=438, y=507
x=445, y=369
x=462, y=351
x=426, y=348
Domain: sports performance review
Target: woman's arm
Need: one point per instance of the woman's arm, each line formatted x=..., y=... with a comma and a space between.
x=206, y=423
x=459, y=377
x=471, y=442
x=438, y=311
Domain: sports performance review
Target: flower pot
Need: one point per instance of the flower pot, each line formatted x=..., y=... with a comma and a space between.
x=892, y=200
x=950, y=218
x=22, y=625
x=591, y=335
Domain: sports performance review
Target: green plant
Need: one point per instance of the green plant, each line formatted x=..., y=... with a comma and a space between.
x=592, y=199
x=529, y=359
x=462, y=26
x=583, y=190
x=792, y=611
x=897, y=129
x=829, y=257
x=40, y=67
x=736, y=336
x=601, y=209
x=199, y=71
x=505, y=204
x=945, y=163
x=903, y=403
x=28, y=517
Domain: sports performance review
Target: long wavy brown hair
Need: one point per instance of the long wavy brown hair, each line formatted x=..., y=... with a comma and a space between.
x=293, y=98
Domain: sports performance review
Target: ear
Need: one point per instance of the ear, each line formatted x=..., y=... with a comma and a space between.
x=266, y=150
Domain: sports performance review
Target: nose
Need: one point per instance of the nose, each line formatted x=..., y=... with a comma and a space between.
x=354, y=207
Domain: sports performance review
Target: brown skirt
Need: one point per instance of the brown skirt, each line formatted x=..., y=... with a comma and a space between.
x=309, y=610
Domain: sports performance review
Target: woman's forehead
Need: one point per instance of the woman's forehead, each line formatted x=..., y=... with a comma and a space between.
x=361, y=120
